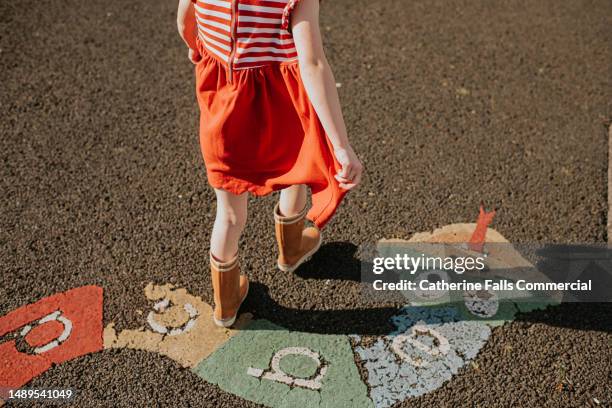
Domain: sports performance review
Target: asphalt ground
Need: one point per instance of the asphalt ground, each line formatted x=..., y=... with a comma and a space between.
x=449, y=103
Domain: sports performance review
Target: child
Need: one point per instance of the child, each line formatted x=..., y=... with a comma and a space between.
x=270, y=120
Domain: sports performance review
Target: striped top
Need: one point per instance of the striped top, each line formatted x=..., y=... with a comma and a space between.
x=246, y=33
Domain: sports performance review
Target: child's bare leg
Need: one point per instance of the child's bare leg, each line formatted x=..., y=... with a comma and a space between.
x=296, y=243
x=229, y=223
x=293, y=200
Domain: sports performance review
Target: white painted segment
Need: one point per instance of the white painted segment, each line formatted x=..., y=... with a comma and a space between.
x=67, y=329
x=278, y=375
x=49, y=317
x=255, y=372
x=46, y=347
x=159, y=328
x=160, y=307
x=441, y=348
x=481, y=305
x=64, y=335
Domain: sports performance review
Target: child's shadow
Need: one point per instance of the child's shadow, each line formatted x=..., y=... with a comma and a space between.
x=360, y=320
x=341, y=261
x=335, y=260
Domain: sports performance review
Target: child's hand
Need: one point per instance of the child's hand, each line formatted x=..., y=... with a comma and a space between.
x=194, y=56
x=350, y=174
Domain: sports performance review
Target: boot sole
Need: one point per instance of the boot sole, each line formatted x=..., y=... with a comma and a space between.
x=231, y=320
x=305, y=258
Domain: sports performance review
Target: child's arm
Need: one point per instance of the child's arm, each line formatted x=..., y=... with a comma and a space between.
x=320, y=85
x=187, y=28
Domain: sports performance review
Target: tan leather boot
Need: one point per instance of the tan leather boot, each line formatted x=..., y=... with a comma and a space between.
x=296, y=244
x=230, y=289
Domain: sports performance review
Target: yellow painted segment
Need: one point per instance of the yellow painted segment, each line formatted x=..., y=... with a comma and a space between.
x=499, y=256
x=179, y=326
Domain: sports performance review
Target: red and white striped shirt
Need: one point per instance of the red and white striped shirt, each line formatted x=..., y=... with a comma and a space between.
x=246, y=33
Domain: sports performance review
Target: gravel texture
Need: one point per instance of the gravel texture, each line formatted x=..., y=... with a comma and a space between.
x=449, y=103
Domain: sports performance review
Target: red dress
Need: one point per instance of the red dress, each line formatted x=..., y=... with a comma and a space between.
x=258, y=130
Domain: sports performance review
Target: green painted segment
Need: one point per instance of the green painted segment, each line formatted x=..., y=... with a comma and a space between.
x=299, y=366
x=539, y=304
x=506, y=308
x=341, y=386
x=514, y=301
x=505, y=313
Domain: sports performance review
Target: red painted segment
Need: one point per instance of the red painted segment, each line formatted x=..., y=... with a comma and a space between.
x=81, y=306
x=480, y=233
x=44, y=333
